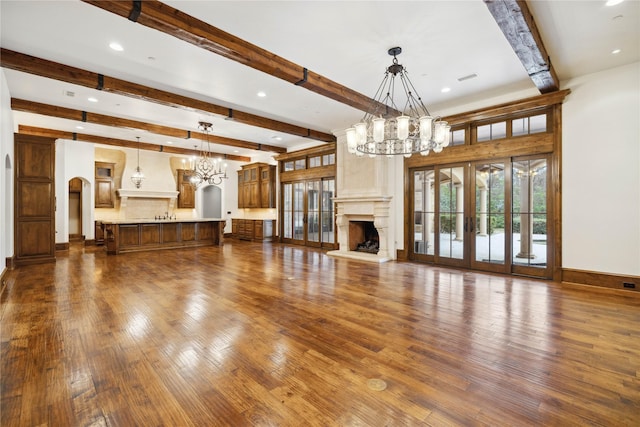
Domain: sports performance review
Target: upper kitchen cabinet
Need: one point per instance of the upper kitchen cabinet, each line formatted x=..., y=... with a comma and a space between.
x=257, y=186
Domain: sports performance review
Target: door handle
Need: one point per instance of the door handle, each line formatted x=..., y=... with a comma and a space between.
x=466, y=223
x=471, y=225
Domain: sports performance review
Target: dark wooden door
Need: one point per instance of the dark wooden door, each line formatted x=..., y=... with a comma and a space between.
x=34, y=199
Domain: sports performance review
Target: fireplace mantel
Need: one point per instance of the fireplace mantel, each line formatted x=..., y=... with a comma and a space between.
x=364, y=208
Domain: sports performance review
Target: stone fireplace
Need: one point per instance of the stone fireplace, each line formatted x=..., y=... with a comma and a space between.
x=364, y=188
x=352, y=215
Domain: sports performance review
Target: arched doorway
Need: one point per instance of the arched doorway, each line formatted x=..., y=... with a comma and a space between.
x=212, y=202
x=75, y=210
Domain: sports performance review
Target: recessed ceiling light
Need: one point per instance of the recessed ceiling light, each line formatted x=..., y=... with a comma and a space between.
x=277, y=138
x=79, y=127
x=616, y=51
x=116, y=46
x=613, y=2
x=236, y=151
x=445, y=89
x=169, y=142
x=261, y=94
x=92, y=99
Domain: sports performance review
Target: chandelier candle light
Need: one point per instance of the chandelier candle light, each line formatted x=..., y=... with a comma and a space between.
x=206, y=169
x=387, y=130
x=137, y=177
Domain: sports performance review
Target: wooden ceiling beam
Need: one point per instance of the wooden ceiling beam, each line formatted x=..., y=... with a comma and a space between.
x=73, y=136
x=101, y=119
x=164, y=18
x=54, y=70
x=517, y=25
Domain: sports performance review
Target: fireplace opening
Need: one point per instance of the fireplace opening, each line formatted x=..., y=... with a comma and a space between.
x=363, y=237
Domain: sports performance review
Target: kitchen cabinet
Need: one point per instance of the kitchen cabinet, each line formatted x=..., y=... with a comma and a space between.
x=253, y=229
x=105, y=192
x=34, y=208
x=187, y=194
x=256, y=186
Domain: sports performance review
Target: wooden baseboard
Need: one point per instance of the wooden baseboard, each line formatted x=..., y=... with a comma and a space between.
x=62, y=246
x=402, y=255
x=90, y=242
x=3, y=282
x=10, y=262
x=604, y=280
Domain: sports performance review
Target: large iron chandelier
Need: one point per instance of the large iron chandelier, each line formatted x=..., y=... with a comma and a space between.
x=387, y=130
x=137, y=177
x=205, y=168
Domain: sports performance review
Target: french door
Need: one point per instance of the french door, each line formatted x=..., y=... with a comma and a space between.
x=486, y=215
x=307, y=212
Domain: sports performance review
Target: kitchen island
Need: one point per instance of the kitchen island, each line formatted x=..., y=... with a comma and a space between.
x=122, y=236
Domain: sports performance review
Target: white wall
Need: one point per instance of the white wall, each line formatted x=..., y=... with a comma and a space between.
x=6, y=176
x=600, y=172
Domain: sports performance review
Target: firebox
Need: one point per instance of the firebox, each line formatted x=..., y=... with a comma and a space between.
x=363, y=237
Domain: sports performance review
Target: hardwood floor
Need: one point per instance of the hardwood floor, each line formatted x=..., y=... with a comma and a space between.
x=266, y=334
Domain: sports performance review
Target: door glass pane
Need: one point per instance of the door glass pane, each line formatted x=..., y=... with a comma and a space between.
x=298, y=211
x=490, y=212
x=451, y=193
x=328, y=189
x=287, y=208
x=529, y=219
x=313, y=211
x=423, y=212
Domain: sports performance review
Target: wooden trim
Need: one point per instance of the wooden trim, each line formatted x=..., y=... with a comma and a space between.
x=517, y=24
x=319, y=172
x=54, y=70
x=10, y=262
x=62, y=246
x=556, y=195
x=171, y=21
x=329, y=148
x=541, y=143
x=90, y=242
x=509, y=108
x=58, y=134
x=604, y=280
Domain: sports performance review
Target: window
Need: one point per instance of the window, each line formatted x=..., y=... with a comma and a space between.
x=529, y=125
x=457, y=137
x=300, y=164
x=491, y=131
x=329, y=159
x=288, y=166
x=314, y=162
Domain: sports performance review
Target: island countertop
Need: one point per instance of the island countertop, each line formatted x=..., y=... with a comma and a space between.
x=157, y=221
x=132, y=235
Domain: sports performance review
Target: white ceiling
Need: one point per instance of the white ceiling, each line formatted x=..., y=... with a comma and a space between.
x=345, y=41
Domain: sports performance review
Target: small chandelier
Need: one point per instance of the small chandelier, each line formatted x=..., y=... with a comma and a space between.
x=412, y=130
x=137, y=177
x=206, y=169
